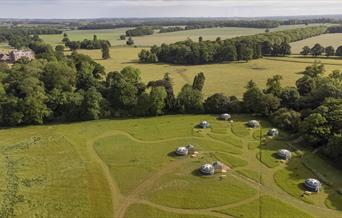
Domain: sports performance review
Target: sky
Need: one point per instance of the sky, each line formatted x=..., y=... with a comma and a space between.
x=165, y=8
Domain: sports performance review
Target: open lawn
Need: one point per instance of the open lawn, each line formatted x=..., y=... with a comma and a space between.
x=332, y=39
x=127, y=168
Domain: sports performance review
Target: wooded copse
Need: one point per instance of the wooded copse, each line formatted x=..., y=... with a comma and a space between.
x=86, y=43
x=318, y=50
x=140, y=31
x=242, y=48
x=335, y=29
x=20, y=37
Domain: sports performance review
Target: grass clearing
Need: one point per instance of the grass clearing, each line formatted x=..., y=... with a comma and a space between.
x=227, y=138
x=140, y=210
x=334, y=201
x=52, y=170
x=266, y=206
x=45, y=176
x=230, y=160
x=268, y=156
x=254, y=175
x=187, y=179
x=292, y=179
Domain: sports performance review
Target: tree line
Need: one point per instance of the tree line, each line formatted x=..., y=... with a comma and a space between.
x=20, y=37
x=335, y=29
x=140, y=31
x=86, y=43
x=170, y=29
x=318, y=50
x=242, y=48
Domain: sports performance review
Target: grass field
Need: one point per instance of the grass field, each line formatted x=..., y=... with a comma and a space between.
x=333, y=39
x=265, y=206
x=127, y=168
x=113, y=35
x=228, y=78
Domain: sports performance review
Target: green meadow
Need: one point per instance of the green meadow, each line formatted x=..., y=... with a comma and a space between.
x=127, y=168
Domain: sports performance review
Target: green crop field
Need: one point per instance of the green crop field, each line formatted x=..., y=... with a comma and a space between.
x=333, y=39
x=127, y=168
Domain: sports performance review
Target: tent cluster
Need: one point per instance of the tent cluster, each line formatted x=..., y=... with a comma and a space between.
x=253, y=124
x=183, y=151
x=210, y=169
x=312, y=184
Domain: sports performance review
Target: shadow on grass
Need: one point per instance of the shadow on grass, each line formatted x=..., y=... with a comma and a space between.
x=275, y=156
x=198, y=173
x=173, y=155
x=301, y=186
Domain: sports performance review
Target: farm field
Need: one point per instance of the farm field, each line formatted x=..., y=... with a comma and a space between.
x=332, y=39
x=127, y=168
x=228, y=78
x=156, y=39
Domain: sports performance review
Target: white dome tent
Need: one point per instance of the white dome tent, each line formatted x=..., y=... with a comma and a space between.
x=225, y=116
x=182, y=151
x=273, y=132
x=207, y=169
x=204, y=124
x=253, y=124
x=284, y=154
x=185, y=150
x=312, y=184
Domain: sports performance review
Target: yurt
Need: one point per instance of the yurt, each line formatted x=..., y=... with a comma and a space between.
x=253, y=123
x=220, y=167
x=284, y=154
x=312, y=184
x=204, y=124
x=182, y=151
x=273, y=132
x=207, y=169
x=225, y=116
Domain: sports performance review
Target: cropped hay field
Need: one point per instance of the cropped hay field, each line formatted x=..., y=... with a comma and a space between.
x=333, y=39
x=127, y=168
